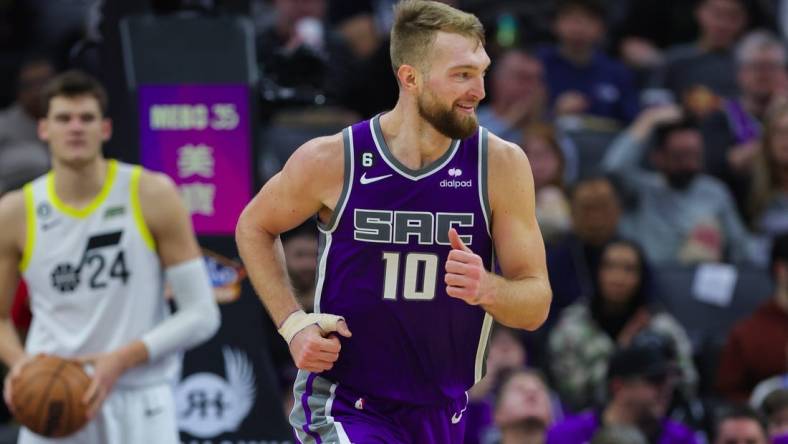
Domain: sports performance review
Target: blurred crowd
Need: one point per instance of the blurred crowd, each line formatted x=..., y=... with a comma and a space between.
x=657, y=132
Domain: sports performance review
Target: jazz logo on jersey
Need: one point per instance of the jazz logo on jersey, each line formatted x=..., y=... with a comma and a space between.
x=400, y=227
x=66, y=277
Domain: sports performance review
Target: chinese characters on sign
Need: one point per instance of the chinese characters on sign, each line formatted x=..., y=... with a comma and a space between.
x=199, y=197
x=199, y=136
x=195, y=159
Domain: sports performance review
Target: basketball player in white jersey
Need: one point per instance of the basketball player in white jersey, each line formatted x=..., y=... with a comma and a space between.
x=96, y=240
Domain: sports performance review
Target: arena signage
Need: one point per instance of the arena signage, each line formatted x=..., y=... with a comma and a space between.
x=199, y=135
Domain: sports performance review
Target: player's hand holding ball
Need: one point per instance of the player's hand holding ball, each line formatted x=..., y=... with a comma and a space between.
x=106, y=369
x=12, y=378
x=466, y=277
x=313, y=344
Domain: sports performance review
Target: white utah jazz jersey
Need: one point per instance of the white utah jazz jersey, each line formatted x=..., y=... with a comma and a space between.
x=94, y=277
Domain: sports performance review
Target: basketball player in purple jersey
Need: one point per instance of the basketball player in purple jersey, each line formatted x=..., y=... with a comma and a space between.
x=414, y=206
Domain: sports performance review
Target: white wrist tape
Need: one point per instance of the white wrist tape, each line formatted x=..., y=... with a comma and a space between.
x=300, y=320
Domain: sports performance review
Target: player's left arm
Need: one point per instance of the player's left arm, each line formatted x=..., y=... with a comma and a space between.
x=521, y=297
x=197, y=317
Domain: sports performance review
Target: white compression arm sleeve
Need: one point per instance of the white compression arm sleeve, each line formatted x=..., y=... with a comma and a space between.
x=197, y=316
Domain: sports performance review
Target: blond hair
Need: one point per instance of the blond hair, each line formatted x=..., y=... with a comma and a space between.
x=416, y=24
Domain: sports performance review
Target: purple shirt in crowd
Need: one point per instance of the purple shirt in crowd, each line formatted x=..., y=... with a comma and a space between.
x=580, y=429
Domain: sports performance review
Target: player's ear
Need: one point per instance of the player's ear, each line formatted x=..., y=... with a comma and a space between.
x=408, y=77
x=43, y=129
x=106, y=129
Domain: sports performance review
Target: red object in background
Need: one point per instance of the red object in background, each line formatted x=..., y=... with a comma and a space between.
x=20, y=309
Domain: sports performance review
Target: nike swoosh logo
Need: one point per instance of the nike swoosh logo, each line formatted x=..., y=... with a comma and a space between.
x=455, y=418
x=366, y=180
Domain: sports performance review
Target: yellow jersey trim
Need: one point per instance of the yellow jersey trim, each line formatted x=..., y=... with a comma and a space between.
x=81, y=213
x=30, y=227
x=136, y=209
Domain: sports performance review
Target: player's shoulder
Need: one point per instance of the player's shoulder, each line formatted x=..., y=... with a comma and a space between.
x=158, y=195
x=12, y=204
x=503, y=154
x=318, y=151
x=317, y=158
x=152, y=183
x=12, y=211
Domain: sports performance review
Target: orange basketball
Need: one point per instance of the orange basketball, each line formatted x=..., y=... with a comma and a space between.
x=48, y=396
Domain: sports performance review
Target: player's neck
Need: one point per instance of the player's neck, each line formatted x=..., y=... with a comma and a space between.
x=78, y=185
x=411, y=139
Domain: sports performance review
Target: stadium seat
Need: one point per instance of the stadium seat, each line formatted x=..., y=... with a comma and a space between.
x=707, y=324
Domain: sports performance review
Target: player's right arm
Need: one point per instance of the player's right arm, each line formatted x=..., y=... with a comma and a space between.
x=310, y=183
x=12, y=235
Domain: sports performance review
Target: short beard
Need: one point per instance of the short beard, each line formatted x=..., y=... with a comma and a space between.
x=444, y=120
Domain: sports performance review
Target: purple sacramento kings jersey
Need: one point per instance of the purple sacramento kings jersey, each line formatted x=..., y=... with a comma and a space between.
x=382, y=265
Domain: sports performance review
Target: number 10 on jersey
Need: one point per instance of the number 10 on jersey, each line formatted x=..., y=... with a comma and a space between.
x=419, y=276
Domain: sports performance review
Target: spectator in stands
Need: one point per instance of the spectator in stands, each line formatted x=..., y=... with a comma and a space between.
x=518, y=95
x=651, y=26
x=523, y=408
x=775, y=408
x=740, y=424
x=588, y=332
x=681, y=214
x=698, y=72
x=540, y=143
x=617, y=434
x=757, y=347
x=582, y=79
x=573, y=261
x=640, y=381
x=297, y=50
x=300, y=247
x=768, y=202
x=506, y=353
x=19, y=122
x=365, y=25
x=766, y=387
x=732, y=134
x=22, y=155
